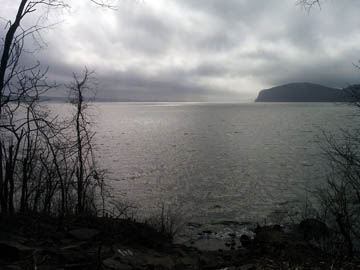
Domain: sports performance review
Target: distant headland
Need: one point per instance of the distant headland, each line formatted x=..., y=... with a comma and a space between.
x=302, y=92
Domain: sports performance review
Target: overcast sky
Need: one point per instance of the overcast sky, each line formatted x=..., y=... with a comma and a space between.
x=201, y=50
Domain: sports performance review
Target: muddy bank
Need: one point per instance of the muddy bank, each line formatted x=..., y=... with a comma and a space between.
x=36, y=242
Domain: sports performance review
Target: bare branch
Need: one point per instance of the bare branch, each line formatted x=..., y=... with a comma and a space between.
x=309, y=4
x=105, y=4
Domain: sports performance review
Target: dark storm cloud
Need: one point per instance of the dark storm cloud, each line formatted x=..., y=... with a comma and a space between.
x=144, y=32
x=134, y=85
x=204, y=49
x=210, y=69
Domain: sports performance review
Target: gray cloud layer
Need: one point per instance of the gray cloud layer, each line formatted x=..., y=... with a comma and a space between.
x=205, y=49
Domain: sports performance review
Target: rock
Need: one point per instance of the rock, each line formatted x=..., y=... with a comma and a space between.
x=124, y=252
x=129, y=257
x=246, y=267
x=180, y=252
x=12, y=251
x=245, y=241
x=312, y=228
x=194, y=224
x=83, y=234
x=188, y=261
x=269, y=235
x=162, y=262
x=77, y=246
x=210, y=261
x=113, y=263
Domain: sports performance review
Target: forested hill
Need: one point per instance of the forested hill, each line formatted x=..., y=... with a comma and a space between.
x=301, y=92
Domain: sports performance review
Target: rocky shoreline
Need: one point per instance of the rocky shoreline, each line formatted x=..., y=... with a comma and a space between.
x=37, y=242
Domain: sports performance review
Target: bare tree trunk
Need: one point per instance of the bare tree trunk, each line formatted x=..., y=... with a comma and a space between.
x=5, y=198
x=7, y=47
x=80, y=169
x=10, y=181
x=24, y=184
x=2, y=199
x=85, y=165
x=38, y=191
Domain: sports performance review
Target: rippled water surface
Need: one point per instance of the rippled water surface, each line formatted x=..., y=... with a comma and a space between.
x=218, y=162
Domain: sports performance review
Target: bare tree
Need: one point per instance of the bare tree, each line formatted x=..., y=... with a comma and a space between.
x=87, y=176
x=34, y=166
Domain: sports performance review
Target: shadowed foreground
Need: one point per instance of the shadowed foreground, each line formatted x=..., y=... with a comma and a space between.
x=35, y=242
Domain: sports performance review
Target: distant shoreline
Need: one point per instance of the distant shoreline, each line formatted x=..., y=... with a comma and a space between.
x=302, y=92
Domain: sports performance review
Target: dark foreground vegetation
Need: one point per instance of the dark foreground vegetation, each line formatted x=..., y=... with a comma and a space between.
x=34, y=242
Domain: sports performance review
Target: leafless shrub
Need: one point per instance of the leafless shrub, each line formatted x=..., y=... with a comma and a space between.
x=340, y=197
x=120, y=209
x=169, y=220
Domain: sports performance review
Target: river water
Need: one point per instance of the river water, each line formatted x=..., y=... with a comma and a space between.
x=215, y=163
